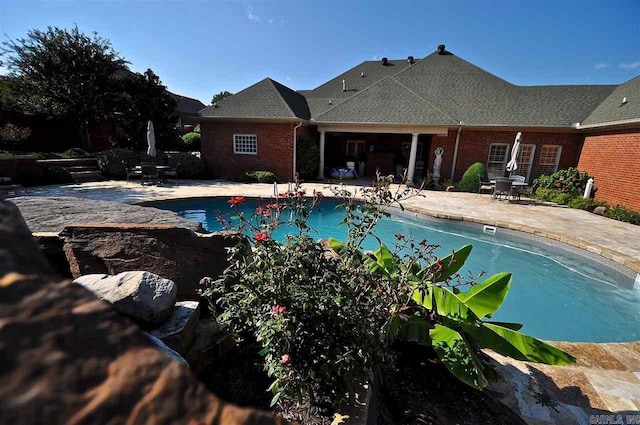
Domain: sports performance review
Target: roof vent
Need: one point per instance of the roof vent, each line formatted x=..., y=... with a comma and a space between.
x=385, y=61
x=624, y=100
x=344, y=85
x=410, y=60
x=362, y=74
x=441, y=49
x=330, y=103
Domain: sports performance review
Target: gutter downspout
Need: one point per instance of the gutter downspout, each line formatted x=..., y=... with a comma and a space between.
x=455, y=151
x=295, y=147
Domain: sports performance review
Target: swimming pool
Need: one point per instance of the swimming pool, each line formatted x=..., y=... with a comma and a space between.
x=558, y=292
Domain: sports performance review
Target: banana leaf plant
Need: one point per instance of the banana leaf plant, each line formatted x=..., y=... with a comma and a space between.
x=456, y=323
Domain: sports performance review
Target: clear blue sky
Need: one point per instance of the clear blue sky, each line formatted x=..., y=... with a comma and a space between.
x=199, y=48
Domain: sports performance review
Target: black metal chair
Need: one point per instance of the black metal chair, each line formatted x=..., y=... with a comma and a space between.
x=149, y=172
x=131, y=172
x=503, y=188
x=484, y=185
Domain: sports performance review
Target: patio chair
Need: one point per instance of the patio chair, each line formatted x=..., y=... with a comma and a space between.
x=149, y=172
x=131, y=172
x=516, y=191
x=503, y=188
x=484, y=185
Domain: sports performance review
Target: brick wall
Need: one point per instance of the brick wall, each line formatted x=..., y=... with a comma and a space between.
x=613, y=160
x=275, y=148
x=474, y=147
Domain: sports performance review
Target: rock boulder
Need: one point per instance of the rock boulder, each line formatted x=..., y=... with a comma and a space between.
x=18, y=250
x=69, y=358
x=178, y=254
x=143, y=296
x=177, y=331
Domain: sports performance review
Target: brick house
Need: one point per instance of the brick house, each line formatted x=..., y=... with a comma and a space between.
x=392, y=115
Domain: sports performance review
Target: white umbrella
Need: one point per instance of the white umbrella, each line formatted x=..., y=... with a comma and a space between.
x=513, y=164
x=151, y=140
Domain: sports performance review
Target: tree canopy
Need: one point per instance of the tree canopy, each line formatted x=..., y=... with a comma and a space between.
x=64, y=74
x=144, y=98
x=219, y=96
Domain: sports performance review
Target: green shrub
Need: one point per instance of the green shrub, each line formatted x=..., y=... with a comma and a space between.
x=192, y=141
x=260, y=177
x=581, y=203
x=569, y=181
x=470, y=178
x=307, y=158
x=114, y=162
x=75, y=153
x=552, y=195
x=57, y=175
x=13, y=135
x=187, y=166
x=621, y=213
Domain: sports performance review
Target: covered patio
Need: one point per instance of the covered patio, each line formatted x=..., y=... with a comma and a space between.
x=391, y=149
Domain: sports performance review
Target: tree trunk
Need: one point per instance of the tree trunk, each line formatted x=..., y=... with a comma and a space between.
x=85, y=136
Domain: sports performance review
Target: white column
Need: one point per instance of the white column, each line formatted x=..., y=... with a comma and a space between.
x=321, y=171
x=412, y=157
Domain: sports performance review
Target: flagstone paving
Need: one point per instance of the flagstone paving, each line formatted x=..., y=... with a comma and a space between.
x=606, y=377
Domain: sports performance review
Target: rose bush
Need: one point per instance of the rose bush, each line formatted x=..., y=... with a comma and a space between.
x=324, y=315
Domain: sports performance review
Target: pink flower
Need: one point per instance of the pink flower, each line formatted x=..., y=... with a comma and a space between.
x=260, y=236
x=285, y=360
x=236, y=200
x=279, y=309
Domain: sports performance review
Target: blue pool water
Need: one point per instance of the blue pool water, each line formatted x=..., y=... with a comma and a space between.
x=557, y=293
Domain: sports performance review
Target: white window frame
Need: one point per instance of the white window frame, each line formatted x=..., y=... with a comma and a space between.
x=530, y=164
x=504, y=161
x=359, y=146
x=556, y=164
x=244, y=152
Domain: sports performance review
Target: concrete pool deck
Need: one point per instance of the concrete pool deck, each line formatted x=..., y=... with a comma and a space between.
x=609, y=238
x=606, y=378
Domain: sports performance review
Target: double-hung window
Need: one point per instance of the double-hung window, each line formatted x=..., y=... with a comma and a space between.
x=525, y=160
x=245, y=144
x=549, y=159
x=497, y=160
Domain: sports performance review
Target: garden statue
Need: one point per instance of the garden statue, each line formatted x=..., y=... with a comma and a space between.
x=436, y=164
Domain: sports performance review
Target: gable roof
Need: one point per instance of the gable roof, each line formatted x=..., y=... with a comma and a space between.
x=440, y=89
x=187, y=105
x=387, y=101
x=265, y=99
x=612, y=109
x=358, y=78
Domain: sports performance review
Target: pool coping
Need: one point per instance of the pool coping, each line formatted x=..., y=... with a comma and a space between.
x=620, y=258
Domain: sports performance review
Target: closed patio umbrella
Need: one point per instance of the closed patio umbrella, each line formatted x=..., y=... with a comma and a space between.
x=151, y=140
x=513, y=164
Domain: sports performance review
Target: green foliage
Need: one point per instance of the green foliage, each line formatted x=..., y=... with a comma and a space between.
x=13, y=135
x=219, y=96
x=307, y=158
x=623, y=214
x=57, y=175
x=470, y=181
x=569, y=181
x=64, y=74
x=324, y=318
x=187, y=166
x=192, y=141
x=260, y=177
x=75, y=153
x=552, y=195
x=143, y=97
x=114, y=162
